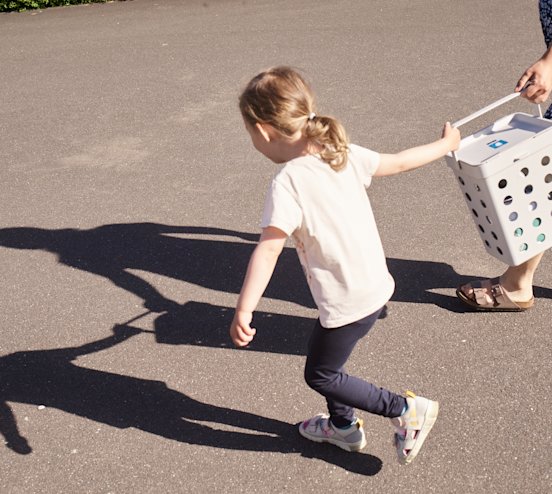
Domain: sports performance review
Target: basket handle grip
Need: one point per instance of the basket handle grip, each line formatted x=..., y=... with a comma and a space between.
x=490, y=107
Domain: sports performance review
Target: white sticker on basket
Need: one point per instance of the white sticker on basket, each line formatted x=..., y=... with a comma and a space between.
x=497, y=143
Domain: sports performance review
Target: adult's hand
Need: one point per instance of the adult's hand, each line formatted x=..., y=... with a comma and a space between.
x=539, y=75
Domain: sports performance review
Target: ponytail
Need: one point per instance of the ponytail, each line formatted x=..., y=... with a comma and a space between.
x=282, y=98
x=329, y=134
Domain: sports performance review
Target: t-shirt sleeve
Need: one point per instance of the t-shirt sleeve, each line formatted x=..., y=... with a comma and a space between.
x=365, y=161
x=281, y=210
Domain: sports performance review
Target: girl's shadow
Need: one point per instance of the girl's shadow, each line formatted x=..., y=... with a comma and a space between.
x=50, y=378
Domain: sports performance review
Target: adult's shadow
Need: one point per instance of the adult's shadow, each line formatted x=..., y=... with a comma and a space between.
x=181, y=252
x=50, y=378
x=207, y=257
x=416, y=280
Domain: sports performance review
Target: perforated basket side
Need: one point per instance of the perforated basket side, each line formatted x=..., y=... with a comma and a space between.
x=512, y=209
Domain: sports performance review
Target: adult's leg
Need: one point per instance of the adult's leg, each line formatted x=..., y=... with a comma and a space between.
x=518, y=280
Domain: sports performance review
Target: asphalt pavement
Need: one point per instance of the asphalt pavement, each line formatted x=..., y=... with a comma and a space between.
x=130, y=199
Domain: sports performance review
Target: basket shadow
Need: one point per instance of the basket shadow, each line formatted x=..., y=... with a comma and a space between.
x=202, y=324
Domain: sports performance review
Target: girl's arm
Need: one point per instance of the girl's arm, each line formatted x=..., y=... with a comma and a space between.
x=259, y=271
x=412, y=158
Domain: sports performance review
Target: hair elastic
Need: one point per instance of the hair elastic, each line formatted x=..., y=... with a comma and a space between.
x=311, y=116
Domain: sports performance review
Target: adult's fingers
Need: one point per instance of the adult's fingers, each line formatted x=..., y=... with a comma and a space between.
x=523, y=80
x=535, y=93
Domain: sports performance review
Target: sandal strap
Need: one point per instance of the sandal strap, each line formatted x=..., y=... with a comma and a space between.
x=492, y=289
x=485, y=290
x=499, y=296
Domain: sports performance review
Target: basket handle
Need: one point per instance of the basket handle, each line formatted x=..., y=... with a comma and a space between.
x=490, y=107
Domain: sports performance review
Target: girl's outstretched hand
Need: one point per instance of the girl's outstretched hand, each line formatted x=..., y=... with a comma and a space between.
x=240, y=331
x=452, y=136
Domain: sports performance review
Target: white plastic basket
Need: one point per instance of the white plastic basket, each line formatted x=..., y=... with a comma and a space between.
x=505, y=174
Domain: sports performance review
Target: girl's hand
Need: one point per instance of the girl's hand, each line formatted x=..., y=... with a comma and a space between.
x=452, y=136
x=413, y=158
x=240, y=331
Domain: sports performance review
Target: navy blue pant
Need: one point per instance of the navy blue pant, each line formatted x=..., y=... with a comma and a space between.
x=328, y=352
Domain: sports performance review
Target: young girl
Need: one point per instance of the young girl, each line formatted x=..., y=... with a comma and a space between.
x=319, y=198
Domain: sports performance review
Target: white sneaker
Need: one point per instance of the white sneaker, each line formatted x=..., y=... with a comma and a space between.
x=413, y=427
x=320, y=429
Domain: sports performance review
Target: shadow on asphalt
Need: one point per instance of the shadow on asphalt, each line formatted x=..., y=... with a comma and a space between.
x=49, y=378
x=111, y=250
x=187, y=253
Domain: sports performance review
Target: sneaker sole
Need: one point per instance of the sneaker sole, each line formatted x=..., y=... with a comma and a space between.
x=430, y=417
x=352, y=448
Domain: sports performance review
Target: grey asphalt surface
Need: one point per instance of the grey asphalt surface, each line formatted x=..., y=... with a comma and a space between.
x=130, y=201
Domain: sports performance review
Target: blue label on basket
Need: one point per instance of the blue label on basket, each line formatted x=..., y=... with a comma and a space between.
x=497, y=143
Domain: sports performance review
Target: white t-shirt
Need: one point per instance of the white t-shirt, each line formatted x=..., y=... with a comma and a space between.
x=329, y=216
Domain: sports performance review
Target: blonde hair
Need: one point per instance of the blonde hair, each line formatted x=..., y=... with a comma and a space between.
x=282, y=98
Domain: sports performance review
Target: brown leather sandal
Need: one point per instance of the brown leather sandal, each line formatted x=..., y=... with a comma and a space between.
x=488, y=295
